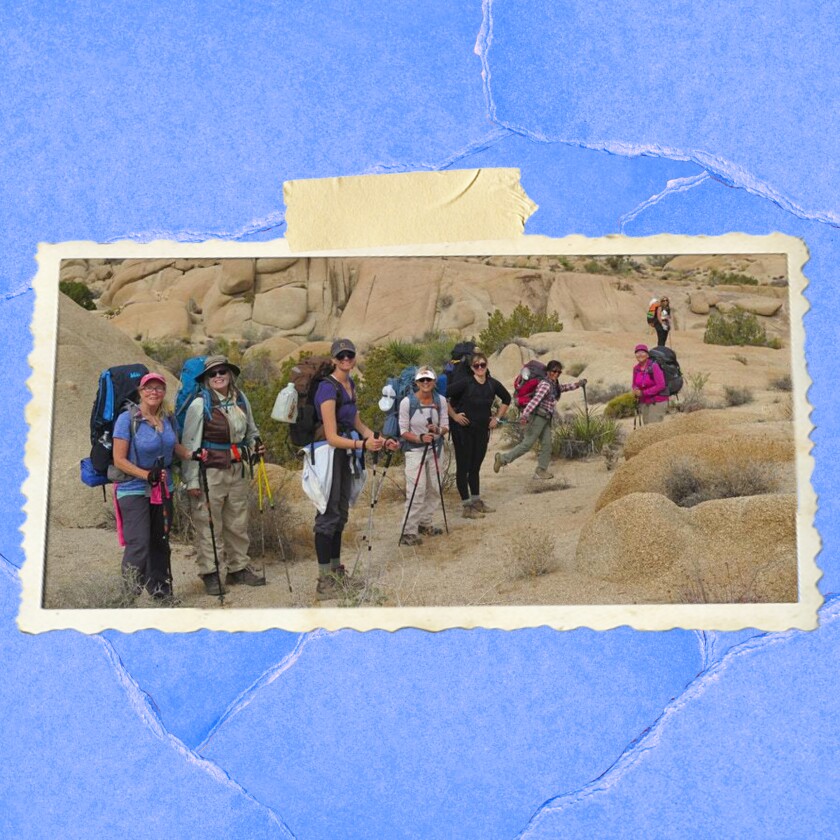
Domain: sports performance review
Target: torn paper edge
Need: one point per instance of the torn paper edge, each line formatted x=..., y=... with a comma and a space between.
x=772, y=617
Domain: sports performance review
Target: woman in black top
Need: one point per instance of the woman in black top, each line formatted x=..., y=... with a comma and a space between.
x=470, y=400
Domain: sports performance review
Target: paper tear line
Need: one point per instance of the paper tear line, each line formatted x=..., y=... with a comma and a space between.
x=274, y=221
x=651, y=736
x=144, y=707
x=672, y=187
x=247, y=695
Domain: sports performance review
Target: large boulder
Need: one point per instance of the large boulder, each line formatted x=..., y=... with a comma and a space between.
x=727, y=550
x=283, y=308
x=236, y=276
x=155, y=320
x=130, y=272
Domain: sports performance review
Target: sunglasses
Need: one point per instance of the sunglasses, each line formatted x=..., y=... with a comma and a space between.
x=479, y=366
x=217, y=372
x=425, y=379
x=161, y=388
x=345, y=355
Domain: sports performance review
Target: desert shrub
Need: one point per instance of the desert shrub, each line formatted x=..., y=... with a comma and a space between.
x=170, y=352
x=597, y=393
x=659, y=260
x=717, y=278
x=582, y=434
x=531, y=552
x=693, y=397
x=512, y=432
x=739, y=327
x=576, y=368
x=78, y=292
x=521, y=323
x=782, y=383
x=689, y=483
x=736, y=395
x=593, y=267
x=623, y=405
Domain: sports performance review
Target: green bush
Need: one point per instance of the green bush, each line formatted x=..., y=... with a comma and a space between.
x=521, y=323
x=739, y=327
x=689, y=483
x=583, y=434
x=77, y=292
x=170, y=352
x=599, y=393
x=623, y=405
x=716, y=278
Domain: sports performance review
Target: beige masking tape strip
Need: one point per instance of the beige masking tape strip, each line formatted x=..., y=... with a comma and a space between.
x=362, y=211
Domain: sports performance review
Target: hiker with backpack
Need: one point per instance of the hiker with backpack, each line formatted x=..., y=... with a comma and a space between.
x=424, y=421
x=343, y=430
x=145, y=441
x=537, y=396
x=649, y=387
x=659, y=319
x=219, y=422
x=471, y=399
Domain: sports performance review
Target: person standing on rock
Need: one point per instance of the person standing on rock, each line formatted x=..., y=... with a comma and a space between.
x=423, y=422
x=471, y=399
x=145, y=442
x=659, y=317
x=649, y=387
x=344, y=431
x=537, y=418
x=219, y=422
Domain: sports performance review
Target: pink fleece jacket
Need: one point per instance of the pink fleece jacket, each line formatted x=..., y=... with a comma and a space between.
x=650, y=380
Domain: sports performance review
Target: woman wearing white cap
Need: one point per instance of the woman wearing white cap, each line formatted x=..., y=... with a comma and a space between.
x=145, y=441
x=423, y=421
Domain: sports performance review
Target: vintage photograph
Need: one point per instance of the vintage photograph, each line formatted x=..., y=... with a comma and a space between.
x=423, y=432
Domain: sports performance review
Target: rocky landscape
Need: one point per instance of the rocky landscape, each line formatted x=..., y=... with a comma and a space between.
x=612, y=535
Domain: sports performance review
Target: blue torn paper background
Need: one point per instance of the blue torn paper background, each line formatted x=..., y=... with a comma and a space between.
x=182, y=121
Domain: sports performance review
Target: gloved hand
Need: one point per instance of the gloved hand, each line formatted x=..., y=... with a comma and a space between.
x=582, y=382
x=199, y=455
x=155, y=475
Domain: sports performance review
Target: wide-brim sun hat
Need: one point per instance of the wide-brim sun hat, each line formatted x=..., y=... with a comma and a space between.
x=152, y=377
x=642, y=347
x=219, y=361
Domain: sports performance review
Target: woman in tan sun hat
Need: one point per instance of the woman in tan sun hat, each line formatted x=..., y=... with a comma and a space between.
x=220, y=422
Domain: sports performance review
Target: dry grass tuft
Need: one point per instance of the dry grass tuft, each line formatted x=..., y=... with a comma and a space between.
x=531, y=552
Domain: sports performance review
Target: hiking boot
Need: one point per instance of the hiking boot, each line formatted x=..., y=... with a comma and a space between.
x=472, y=512
x=542, y=474
x=430, y=530
x=498, y=463
x=410, y=539
x=482, y=508
x=211, y=584
x=345, y=581
x=327, y=588
x=245, y=576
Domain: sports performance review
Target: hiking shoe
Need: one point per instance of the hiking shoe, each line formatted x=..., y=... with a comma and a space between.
x=483, y=508
x=327, y=588
x=498, y=463
x=430, y=530
x=410, y=539
x=245, y=576
x=472, y=512
x=543, y=474
x=211, y=584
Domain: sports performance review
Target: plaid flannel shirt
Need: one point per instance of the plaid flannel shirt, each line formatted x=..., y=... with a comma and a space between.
x=544, y=398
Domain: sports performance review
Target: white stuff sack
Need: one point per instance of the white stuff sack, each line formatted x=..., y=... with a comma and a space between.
x=286, y=405
x=316, y=479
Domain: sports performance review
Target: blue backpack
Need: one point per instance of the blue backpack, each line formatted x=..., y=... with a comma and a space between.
x=404, y=386
x=188, y=390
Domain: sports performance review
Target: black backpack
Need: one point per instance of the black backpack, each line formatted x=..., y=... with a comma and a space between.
x=117, y=391
x=666, y=358
x=306, y=376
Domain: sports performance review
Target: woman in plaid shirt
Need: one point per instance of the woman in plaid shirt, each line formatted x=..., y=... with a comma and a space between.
x=537, y=417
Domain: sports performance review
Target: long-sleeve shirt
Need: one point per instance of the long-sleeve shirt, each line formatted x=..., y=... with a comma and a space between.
x=544, y=398
x=650, y=380
x=242, y=428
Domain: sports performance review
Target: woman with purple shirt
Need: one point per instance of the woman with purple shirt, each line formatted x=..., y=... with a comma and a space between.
x=649, y=387
x=335, y=405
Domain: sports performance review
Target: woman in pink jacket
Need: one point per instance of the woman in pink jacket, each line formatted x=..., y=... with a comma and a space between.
x=649, y=387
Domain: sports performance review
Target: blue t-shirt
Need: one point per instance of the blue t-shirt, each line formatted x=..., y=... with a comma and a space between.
x=147, y=446
x=347, y=411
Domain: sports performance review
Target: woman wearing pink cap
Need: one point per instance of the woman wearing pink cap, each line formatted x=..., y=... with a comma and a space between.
x=145, y=442
x=649, y=387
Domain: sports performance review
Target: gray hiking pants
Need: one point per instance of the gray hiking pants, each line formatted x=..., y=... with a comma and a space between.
x=538, y=428
x=146, y=555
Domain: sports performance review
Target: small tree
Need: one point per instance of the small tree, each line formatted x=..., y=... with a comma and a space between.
x=77, y=292
x=521, y=323
x=738, y=327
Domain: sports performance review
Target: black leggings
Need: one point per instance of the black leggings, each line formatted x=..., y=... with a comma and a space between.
x=661, y=334
x=470, y=449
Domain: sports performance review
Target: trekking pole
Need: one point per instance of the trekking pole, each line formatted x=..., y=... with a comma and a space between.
x=262, y=478
x=440, y=485
x=414, y=491
x=368, y=536
x=166, y=496
x=203, y=472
